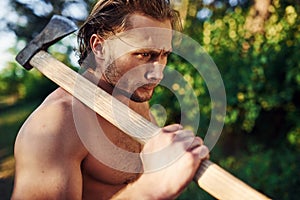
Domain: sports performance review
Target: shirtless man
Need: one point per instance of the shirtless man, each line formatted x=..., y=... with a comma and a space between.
x=51, y=160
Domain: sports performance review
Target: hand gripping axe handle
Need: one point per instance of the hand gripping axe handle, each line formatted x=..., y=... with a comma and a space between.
x=209, y=176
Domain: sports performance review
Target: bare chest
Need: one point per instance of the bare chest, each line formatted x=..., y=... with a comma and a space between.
x=115, y=164
x=104, y=175
x=116, y=161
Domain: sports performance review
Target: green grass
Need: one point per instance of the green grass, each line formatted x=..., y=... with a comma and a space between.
x=11, y=120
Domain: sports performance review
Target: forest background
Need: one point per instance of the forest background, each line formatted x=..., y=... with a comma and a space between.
x=255, y=45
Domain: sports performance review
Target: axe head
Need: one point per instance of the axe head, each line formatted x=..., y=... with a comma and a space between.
x=57, y=28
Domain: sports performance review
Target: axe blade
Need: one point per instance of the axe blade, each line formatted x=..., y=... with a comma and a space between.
x=57, y=28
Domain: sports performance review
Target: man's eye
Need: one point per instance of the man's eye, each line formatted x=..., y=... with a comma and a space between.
x=145, y=54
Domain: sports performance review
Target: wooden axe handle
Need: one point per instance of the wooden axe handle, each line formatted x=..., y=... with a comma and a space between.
x=209, y=176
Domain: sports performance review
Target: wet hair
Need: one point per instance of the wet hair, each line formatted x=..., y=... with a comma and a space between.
x=109, y=17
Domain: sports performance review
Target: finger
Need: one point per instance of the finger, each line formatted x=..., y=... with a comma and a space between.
x=202, y=152
x=184, y=140
x=187, y=134
x=197, y=142
x=172, y=128
x=182, y=134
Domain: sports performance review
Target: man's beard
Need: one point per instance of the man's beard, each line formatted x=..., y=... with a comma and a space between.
x=113, y=76
x=133, y=96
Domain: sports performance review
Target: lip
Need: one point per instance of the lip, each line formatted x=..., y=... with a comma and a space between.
x=149, y=86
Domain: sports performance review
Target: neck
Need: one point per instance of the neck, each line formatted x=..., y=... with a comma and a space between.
x=98, y=80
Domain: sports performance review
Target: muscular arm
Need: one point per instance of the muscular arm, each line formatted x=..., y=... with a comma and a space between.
x=48, y=156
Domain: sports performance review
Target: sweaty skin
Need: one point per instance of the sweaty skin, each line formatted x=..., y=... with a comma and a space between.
x=53, y=163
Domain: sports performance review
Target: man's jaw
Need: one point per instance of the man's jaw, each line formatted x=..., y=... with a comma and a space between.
x=141, y=94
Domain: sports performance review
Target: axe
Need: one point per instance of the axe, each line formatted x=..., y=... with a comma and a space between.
x=210, y=177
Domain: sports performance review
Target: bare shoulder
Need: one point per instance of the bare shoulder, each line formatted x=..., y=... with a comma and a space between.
x=49, y=153
x=52, y=125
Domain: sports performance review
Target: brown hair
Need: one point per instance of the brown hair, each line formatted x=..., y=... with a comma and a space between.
x=109, y=17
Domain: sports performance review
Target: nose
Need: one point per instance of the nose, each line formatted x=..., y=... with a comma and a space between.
x=155, y=72
x=156, y=67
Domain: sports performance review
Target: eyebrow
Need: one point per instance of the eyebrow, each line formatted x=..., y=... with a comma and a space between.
x=154, y=50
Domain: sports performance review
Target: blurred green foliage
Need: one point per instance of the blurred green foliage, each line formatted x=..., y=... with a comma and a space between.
x=260, y=142
x=19, y=85
x=260, y=70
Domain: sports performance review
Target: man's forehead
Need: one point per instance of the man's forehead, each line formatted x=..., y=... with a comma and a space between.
x=147, y=37
x=146, y=32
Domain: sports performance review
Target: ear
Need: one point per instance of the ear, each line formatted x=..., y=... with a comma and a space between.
x=96, y=43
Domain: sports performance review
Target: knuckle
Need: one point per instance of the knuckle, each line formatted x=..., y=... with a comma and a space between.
x=172, y=128
x=198, y=140
x=204, y=153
